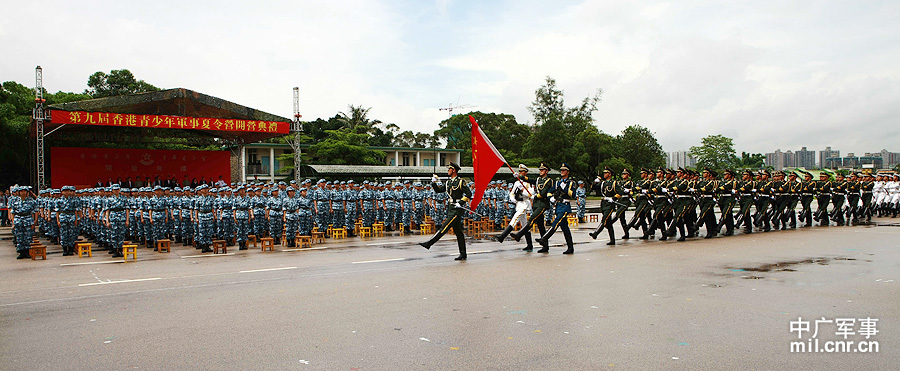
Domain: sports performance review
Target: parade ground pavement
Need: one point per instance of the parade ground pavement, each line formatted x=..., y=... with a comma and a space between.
x=388, y=304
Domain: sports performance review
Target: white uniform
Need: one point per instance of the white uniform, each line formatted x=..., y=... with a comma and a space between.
x=893, y=189
x=523, y=206
x=878, y=193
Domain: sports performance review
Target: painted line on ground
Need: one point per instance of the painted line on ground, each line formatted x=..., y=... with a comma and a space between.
x=88, y=263
x=306, y=249
x=206, y=256
x=120, y=281
x=481, y=252
x=267, y=269
x=378, y=261
x=381, y=243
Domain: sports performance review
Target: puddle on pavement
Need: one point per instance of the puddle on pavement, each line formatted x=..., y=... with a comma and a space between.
x=783, y=266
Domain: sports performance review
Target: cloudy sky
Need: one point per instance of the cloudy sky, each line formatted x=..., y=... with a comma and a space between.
x=770, y=74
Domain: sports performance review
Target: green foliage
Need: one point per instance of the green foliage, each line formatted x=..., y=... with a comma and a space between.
x=343, y=147
x=507, y=135
x=117, y=82
x=715, y=152
x=16, y=104
x=638, y=147
x=752, y=161
x=561, y=133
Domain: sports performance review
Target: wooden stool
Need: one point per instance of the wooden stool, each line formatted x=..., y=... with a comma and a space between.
x=163, y=245
x=359, y=225
x=130, y=249
x=84, y=248
x=318, y=236
x=330, y=231
x=378, y=229
x=267, y=243
x=339, y=233
x=425, y=228
x=38, y=250
x=593, y=218
x=251, y=240
x=572, y=220
x=365, y=231
x=400, y=228
x=219, y=245
x=302, y=241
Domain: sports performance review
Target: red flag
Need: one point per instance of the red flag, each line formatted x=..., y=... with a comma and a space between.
x=486, y=160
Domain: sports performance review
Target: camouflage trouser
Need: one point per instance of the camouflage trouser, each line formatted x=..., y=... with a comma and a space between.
x=323, y=218
x=582, y=203
x=226, y=226
x=440, y=213
x=368, y=214
x=408, y=214
x=187, y=227
x=420, y=213
x=306, y=222
x=290, y=225
x=117, y=229
x=350, y=217
x=276, y=225
x=175, y=223
x=259, y=223
x=24, y=232
x=68, y=232
x=388, y=214
x=147, y=228
x=337, y=218
x=242, y=229
x=205, y=229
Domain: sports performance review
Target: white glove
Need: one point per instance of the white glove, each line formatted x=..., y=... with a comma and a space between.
x=434, y=178
x=627, y=190
x=644, y=191
x=733, y=192
x=754, y=190
x=665, y=190
x=552, y=199
x=692, y=190
x=860, y=204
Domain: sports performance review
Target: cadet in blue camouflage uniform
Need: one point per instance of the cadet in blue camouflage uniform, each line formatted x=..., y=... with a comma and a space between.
x=351, y=212
x=276, y=216
x=258, y=203
x=389, y=204
x=321, y=201
x=23, y=208
x=440, y=205
x=116, y=219
x=175, y=214
x=581, y=195
x=226, y=215
x=337, y=206
x=291, y=208
x=158, y=216
x=367, y=196
x=205, y=204
x=242, y=217
x=187, y=223
x=67, y=217
x=306, y=212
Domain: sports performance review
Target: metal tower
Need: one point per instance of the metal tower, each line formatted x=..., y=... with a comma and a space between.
x=39, y=116
x=296, y=130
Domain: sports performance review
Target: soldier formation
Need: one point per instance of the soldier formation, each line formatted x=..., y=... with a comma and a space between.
x=673, y=202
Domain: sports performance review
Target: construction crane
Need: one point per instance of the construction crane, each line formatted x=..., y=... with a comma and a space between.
x=451, y=107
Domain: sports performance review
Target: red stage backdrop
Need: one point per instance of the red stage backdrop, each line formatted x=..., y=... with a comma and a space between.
x=82, y=166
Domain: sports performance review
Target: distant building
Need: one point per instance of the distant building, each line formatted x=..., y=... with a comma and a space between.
x=680, y=159
x=827, y=153
x=851, y=161
x=775, y=159
x=805, y=158
x=890, y=159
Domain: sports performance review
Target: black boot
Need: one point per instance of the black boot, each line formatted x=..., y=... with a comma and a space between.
x=612, y=237
x=23, y=254
x=431, y=241
x=206, y=249
x=529, y=247
x=626, y=229
x=681, y=231
x=505, y=233
x=569, y=245
x=242, y=245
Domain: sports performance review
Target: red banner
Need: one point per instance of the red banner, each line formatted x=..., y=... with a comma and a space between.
x=82, y=167
x=486, y=160
x=168, y=122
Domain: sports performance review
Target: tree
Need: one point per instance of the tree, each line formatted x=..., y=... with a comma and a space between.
x=343, y=147
x=507, y=135
x=752, y=161
x=560, y=133
x=715, y=152
x=16, y=103
x=117, y=82
x=638, y=146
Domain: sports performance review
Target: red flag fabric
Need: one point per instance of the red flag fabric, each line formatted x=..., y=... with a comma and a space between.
x=486, y=160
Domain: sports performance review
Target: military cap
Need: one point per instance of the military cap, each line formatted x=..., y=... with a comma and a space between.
x=453, y=165
x=543, y=167
x=626, y=171
x=645, y=171
x=126, y=190
x=748, y=172
x=670, y=171
x=351, y=181
x=115, y=186
x=417, y=184
x=388, y=182
x=661, y=170
x=274, y=190
x=606, y=169
x=68, y=188
x=471, y=184
x=293, y=181
x=178, y=189
x=291, y=189
x=365, y=182
x=406, y=182
x=439, y=183
x=713, y=173
x=564, y=166
x=214, y=190
x=580, y=182
x=522, y=167
x=681, y=170
x=54, y=191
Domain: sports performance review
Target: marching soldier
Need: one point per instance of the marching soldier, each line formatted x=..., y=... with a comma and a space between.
x=823, y=198
x=611, y=191
x=839, y=190
x=793, y=190
x=540, y=202
x=747, y=190
x=642, y=205
x=807, y=193
x=708, y=188
x=726, y=192
x=459, y=195
x=563, y=191
x=521, y=193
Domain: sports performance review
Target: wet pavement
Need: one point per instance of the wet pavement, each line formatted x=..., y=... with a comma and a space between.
x=387, y=304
